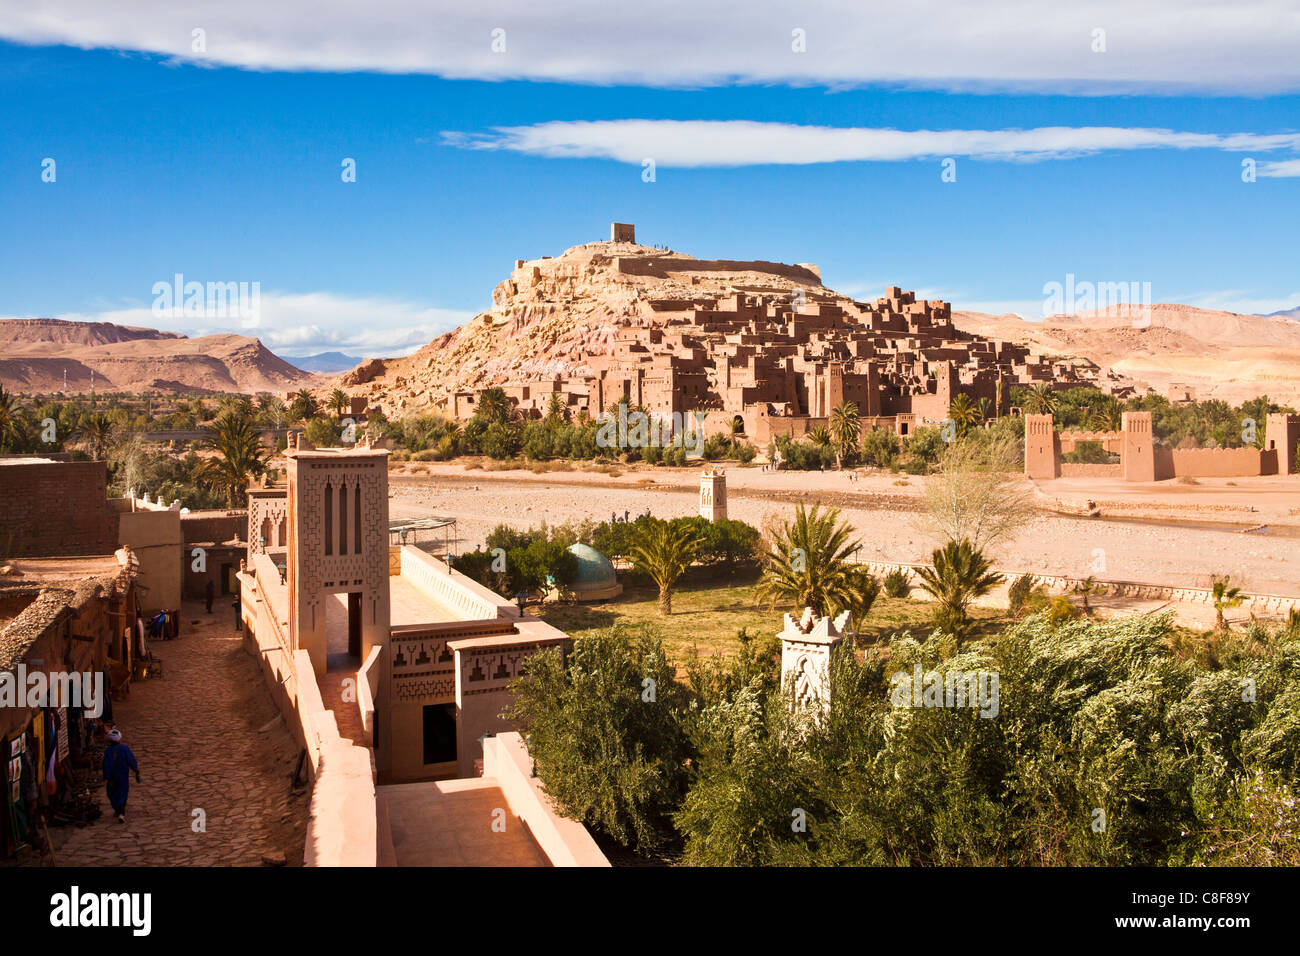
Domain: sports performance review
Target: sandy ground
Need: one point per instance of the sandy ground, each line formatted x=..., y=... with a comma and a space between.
x=1162, y=533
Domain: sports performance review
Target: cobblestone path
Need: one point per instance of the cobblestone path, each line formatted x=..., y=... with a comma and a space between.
x=201, y=736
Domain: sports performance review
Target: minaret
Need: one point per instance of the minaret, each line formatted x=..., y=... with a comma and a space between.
x=713, y=495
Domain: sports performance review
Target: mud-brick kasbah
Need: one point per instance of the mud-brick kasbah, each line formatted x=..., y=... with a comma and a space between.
x=755, y=348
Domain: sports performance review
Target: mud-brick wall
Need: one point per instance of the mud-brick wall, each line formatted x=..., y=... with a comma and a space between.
x=1214, y=462
x=53, y=509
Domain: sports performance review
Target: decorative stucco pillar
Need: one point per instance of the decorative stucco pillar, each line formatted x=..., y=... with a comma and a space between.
x=806, y=646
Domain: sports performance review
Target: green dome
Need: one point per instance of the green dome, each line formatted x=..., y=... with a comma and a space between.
x=594, y=569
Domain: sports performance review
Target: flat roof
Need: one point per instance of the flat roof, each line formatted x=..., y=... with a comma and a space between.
x=60, y=570
x=408, y=604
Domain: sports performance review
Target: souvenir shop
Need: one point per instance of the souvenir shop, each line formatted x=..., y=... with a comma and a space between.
x=52, y=748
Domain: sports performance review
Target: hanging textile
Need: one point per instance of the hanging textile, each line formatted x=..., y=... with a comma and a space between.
x=64, y=747
x=38, y=748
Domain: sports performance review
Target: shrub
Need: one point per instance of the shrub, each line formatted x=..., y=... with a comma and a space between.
x=898, y=583
x=879, y=447
x=1090, y=453
x=1018, y=593
x=609, y=757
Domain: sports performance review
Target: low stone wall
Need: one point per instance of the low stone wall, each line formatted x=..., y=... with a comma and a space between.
x=1270, y=605
x=367, y=683
x=1214, y=462
x=565, y=842
x=1111, y=441
x=451, y=588
x=342, y=828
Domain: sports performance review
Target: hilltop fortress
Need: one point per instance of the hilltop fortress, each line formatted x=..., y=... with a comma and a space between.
x=759, y=346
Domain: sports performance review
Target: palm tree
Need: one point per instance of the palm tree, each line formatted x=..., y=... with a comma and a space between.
x=338, y=402
x=846, y=428
x=985, y=409
x=819, y=436
x=737, y=428
x=556, y=412
x=10, y=422
x=663, y=552
x=960, y=573
x=1106, y=415
x=236, y=440
x=303, y=406
x=1225, y=598
x=494, y=405
x=97, y=432
x=1086, y=587
x=963, y=412
x=809, y=565
x=1042, y=400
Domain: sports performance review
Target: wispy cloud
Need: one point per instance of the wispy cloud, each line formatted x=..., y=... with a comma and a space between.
x=686, y=143
x=1241, y=301
x=296, y=324
x=1161, y=46
x=1284, y=169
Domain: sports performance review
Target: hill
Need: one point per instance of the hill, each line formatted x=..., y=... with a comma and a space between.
x=37, y=354
x=1223, y=355
x=617, y=306
x=330, y=362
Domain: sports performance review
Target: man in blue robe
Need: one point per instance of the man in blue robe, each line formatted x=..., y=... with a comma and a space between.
x=119, y=762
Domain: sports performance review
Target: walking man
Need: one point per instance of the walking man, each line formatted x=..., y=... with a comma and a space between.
x=209, y=592
x=239, y=620
x=119, y=762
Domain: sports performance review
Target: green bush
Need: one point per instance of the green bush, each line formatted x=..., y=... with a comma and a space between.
x=898, y=584
x=1018, y=593
x=1091, y=721
x=604, y=729
x=879, y=447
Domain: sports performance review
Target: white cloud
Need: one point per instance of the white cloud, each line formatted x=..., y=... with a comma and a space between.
x=684, y=143
x=1240, y=301
x=1285, y=169
x=1163, y=46
x=305, y=324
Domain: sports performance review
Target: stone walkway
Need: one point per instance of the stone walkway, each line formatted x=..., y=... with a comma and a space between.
x=457, y=823
x=208, y=737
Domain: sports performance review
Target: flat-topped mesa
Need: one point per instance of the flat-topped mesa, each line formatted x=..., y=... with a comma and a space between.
x=764, y=346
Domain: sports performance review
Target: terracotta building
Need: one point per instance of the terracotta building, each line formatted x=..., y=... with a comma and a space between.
x=412, y=658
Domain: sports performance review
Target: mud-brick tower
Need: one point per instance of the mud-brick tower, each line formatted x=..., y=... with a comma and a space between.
x=1283, y=435
x=1042, y=448
x=713, y=495
x=1139, y=451
x=337, y=544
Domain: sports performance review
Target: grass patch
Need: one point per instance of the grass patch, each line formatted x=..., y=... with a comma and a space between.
x=708, y=613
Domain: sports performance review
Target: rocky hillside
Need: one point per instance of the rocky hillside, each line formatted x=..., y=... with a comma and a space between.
x=35, y=354
x=555, y=313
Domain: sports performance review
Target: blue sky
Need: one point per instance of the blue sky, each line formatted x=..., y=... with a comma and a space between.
x=168, y=163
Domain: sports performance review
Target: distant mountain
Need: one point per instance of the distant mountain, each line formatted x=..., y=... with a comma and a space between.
x=325, y=362
x=1288, y=314
x=1222, y=355
x=40, y=355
